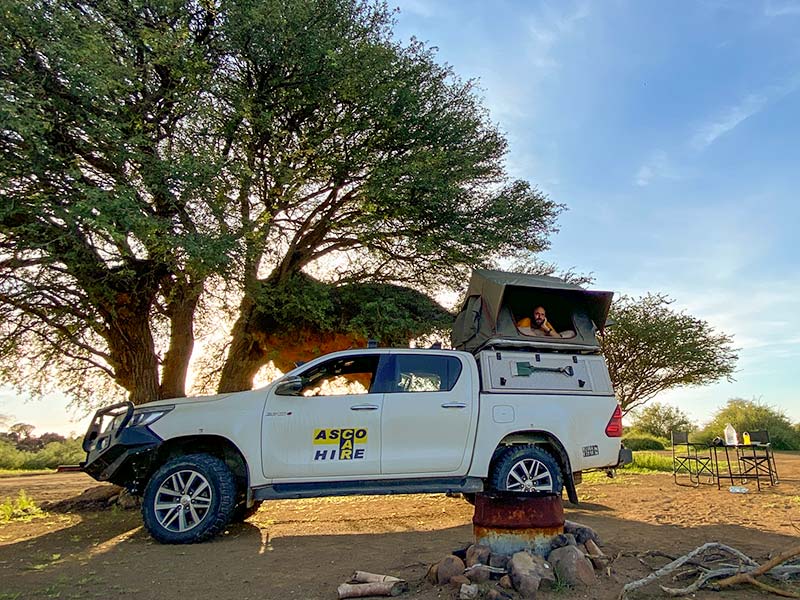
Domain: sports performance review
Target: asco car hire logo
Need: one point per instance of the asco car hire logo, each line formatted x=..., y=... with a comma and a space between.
x=346, y=442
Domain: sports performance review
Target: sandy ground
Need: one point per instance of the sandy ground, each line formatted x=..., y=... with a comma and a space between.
x=305, y=548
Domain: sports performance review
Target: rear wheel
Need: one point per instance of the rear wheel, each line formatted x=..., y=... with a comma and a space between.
x=527, y=469
x=189, y=499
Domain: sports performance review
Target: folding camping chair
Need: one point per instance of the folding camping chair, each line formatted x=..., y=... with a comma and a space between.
x=756, y=459
x=692, y=458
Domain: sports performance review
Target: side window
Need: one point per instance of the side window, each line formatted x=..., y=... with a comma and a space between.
x=423, y=373
x=340, y=376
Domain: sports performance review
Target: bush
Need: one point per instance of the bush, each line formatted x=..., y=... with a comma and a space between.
x=661, y=419
x=639, y=440
x=751, y=415
x=49, y=457
x=54, y=454
x=10, y=457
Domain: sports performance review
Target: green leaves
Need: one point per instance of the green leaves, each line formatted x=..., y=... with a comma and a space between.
x=651, y=348
x=146, y=147
x=660, y=420
x=388, y=313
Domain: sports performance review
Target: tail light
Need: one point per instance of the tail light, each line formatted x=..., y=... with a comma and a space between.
x=614, y=427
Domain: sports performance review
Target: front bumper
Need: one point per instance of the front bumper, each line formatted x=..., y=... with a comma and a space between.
x=122, y=455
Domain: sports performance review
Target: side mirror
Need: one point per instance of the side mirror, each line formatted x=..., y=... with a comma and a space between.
x=290, y=386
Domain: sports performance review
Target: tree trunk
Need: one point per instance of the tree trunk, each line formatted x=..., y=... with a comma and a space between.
x=182, y=306
x=133, y=353
x=245, y=355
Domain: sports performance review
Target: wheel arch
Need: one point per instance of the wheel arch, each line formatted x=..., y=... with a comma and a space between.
x=215, y=445
x=550, y=443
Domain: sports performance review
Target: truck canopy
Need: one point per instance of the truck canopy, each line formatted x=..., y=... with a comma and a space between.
x=497, y=300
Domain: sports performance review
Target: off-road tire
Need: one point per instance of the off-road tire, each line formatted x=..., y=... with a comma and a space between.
x=205, y=489
x=535, y=469
x=242, y=512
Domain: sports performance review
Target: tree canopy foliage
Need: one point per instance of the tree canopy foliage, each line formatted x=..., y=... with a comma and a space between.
x=154, y=154
x=661, y=419
x=753, y=415
x=651, y=348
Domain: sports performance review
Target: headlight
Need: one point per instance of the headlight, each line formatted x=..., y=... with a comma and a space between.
x=146, y=417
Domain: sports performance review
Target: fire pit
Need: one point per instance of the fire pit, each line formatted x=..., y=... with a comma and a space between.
x=508, y=522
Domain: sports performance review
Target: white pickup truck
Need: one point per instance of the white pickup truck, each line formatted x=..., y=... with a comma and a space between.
x=367, y=421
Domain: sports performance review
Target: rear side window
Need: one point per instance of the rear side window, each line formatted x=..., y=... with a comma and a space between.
x=422, y=373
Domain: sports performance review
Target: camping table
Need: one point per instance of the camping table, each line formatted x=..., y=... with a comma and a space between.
x=727, y=463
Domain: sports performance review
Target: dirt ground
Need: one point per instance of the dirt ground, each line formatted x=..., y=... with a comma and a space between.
x=304, y=548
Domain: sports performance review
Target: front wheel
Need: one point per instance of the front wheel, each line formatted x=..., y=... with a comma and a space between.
x=527, y=469
x=189, y=499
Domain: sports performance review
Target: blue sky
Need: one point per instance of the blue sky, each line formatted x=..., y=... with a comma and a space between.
x=672, y=132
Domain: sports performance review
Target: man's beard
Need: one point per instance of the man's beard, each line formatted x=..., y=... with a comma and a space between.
x=539, y=322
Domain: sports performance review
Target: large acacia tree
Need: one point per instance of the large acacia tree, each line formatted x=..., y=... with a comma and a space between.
x=363, y=155
x=106, y=161
x=149, y=149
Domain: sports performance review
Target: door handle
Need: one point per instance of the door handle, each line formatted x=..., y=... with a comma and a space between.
x=364, y=407
x=454, y=405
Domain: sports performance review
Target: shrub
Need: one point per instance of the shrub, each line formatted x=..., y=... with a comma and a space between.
x=21, y=509
x=49, y=457
x=661, y=419
x=10, y=457
x=54, y=454
x=751, y=415
x=639, y=440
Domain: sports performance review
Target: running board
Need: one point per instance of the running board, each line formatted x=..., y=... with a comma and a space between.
x=378, y=487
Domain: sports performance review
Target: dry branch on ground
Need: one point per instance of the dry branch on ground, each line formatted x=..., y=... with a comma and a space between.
x=726, y=575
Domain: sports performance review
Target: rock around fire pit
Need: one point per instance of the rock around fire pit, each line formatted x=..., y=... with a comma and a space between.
x=477, y=572
x=522, y=543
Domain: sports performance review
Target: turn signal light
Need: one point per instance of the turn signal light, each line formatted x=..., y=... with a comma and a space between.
x=614, y=427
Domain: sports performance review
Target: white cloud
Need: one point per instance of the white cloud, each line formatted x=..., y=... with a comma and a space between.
x=657, y=166
x=547, y=28
x=778, y=8
x=727, y=120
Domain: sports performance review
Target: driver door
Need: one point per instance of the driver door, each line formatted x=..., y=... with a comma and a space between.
x=329, y=425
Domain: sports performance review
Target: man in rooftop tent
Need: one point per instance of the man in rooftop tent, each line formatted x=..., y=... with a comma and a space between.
x=540, y=326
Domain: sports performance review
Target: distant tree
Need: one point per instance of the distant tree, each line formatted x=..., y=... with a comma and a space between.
x=22, y=431
x=660, y=419
x=752, y=415
x=48, y=437
x=651, y=348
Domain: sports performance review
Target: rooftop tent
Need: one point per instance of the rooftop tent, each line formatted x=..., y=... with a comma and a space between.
x=496, y=300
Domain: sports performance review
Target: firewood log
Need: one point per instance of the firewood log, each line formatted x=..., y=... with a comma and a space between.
x=375, y=588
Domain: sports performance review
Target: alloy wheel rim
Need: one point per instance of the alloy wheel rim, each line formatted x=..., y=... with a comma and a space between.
x=529, y=475
x=182, y=501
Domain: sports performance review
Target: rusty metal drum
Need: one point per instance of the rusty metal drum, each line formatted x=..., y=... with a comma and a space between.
x=508, y=522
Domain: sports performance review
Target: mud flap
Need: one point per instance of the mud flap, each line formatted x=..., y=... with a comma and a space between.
x=569, y=484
